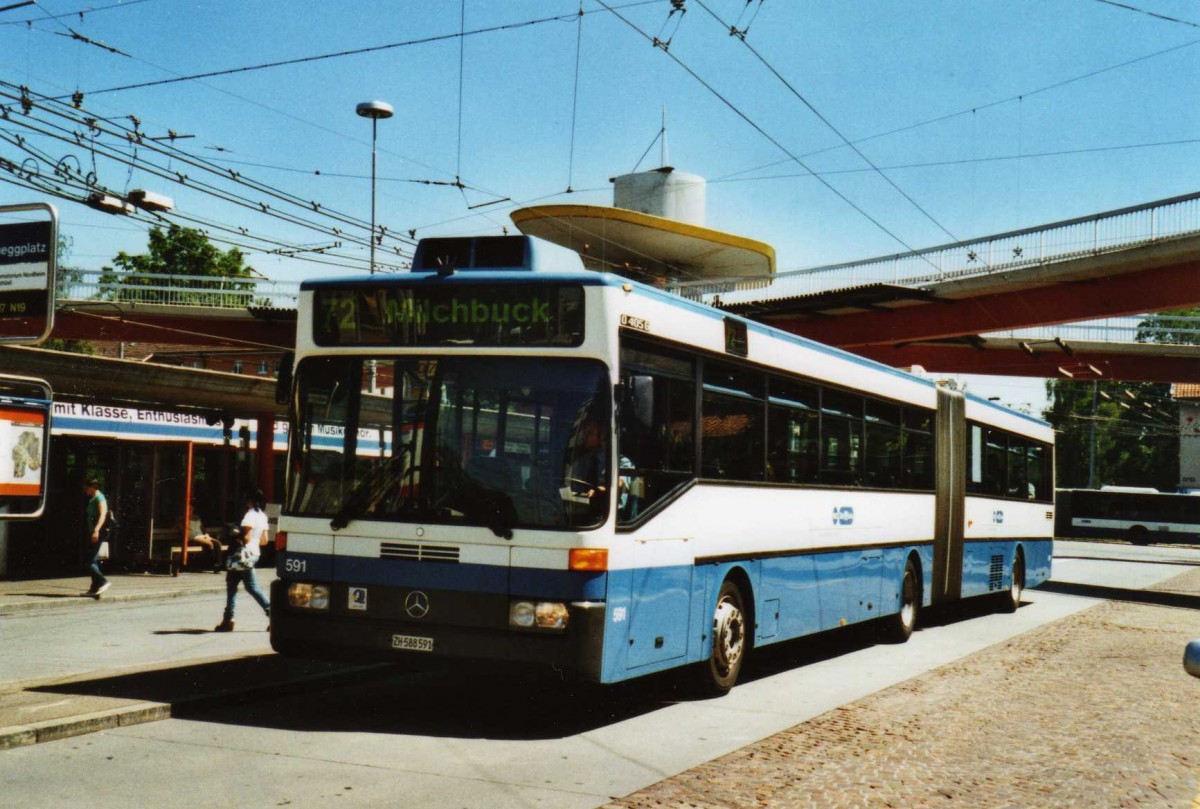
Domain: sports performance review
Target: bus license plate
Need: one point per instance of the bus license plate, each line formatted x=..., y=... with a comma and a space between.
x=412, y=643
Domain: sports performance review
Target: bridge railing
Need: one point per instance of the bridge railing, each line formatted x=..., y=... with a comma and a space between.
x=1164, y=329
x=178, y=290
x=1059, y=241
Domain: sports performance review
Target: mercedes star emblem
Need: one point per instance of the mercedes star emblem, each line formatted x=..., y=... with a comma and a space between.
x=417, y=604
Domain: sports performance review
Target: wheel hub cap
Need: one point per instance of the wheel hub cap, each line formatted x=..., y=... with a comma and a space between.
x=728, y=634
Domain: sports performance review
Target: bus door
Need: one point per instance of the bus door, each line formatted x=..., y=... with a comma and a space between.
x=950, y=488
x=659, y=611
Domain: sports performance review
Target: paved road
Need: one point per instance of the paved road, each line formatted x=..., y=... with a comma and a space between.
x=489, y=739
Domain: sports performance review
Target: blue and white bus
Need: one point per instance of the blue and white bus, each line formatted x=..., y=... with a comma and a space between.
x=1138, y=515
x=501, y=455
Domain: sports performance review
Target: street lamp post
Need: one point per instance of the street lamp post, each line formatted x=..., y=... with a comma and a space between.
x=375, y=110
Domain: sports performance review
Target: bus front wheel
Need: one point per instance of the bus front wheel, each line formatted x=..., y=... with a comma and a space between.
x=729, y=645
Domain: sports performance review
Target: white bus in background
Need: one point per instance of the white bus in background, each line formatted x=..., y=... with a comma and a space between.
x=1139, y=515
x=501, y=455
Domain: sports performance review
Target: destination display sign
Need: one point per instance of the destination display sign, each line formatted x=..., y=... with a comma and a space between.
x=25, y=253
x=459, y=315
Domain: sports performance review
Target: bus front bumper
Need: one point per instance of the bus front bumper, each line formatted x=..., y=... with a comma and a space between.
x=340, y=636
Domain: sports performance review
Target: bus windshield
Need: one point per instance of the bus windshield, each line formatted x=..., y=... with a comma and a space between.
x=501, y=442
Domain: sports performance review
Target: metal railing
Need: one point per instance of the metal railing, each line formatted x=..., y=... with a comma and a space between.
x=1162, y=329
x=177, y=290
x=1059, y=241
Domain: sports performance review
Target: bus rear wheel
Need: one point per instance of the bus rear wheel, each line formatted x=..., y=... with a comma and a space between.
x=1012, y=599
x=1138, y=535
x=730, y=643
x=899, y=627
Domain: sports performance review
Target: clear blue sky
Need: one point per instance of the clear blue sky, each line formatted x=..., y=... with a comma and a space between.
x=987, y=69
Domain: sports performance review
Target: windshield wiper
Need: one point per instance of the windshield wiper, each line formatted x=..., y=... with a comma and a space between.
x=480, y=501
x=371, y=489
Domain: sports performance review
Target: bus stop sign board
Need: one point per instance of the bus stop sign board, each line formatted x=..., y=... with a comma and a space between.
x=28, y=263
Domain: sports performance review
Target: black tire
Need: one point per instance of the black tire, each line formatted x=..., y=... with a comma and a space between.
x=899, y=627
x=1138, y=535
x=1010, y=600
x=730, y=642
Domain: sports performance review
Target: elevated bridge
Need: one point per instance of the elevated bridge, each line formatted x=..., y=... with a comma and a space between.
x=952, y=308
x=942, y=307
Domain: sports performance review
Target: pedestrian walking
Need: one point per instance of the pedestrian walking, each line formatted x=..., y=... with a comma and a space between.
x=98, y=518
x=243, y=555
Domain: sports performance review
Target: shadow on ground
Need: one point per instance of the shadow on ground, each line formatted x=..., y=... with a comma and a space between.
x=1154, y=597
x=445, y=698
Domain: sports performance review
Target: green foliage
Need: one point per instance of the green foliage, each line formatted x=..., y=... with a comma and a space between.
x=201, y=273
x=1175, y=327
x=70, y=346
x=1134, y=425
x=66, y=276
x=65, y=279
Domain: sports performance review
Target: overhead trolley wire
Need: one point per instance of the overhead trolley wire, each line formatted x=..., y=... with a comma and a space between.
x=462, y=49
x=821, y=117
x=966, y=161
x=575, y=100
x=65, y=179
x=135, y=136
x=78, y=13
x=1154, y=14
x=988, y=105
x=354, y=51
x=757, y=128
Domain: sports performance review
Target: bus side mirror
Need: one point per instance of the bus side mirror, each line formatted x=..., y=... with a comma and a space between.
x=283, y=383
x=641, y=399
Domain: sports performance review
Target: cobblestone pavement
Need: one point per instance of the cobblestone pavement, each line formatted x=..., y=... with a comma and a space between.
x=1092, y=711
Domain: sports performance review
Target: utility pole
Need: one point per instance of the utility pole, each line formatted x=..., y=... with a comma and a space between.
x=1092, y=441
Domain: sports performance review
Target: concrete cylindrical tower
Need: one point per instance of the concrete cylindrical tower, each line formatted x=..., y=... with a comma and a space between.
x=663, y=192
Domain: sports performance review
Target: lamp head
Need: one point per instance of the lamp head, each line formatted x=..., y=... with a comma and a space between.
x=376, y=110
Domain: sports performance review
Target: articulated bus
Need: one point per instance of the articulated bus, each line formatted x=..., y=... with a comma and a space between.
x=504, y=456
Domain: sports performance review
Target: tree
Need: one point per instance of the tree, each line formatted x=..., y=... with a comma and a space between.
x=201, y=273
x=1132, y=427
x=1175, y=327
x=65, y=278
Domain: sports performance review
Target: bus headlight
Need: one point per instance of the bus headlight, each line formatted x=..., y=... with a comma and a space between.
x=551, y=615
x=521, y=614
x=539, y=614
x=308, y=596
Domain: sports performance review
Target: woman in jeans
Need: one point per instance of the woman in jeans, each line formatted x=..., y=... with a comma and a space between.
x=241, y=560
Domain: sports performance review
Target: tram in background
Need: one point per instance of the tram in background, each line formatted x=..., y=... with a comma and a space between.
x=1139, y=515
x=501, y=455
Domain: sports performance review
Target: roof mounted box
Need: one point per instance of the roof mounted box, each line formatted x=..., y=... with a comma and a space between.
x=450, y=255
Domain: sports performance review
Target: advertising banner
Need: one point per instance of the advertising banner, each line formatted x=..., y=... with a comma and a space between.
x=22, y=434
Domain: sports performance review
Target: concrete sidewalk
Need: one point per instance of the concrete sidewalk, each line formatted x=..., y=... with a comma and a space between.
x=52, y=594
x=145, y=651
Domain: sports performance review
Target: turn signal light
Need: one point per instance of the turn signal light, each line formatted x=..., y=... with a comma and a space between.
x=588, y=559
